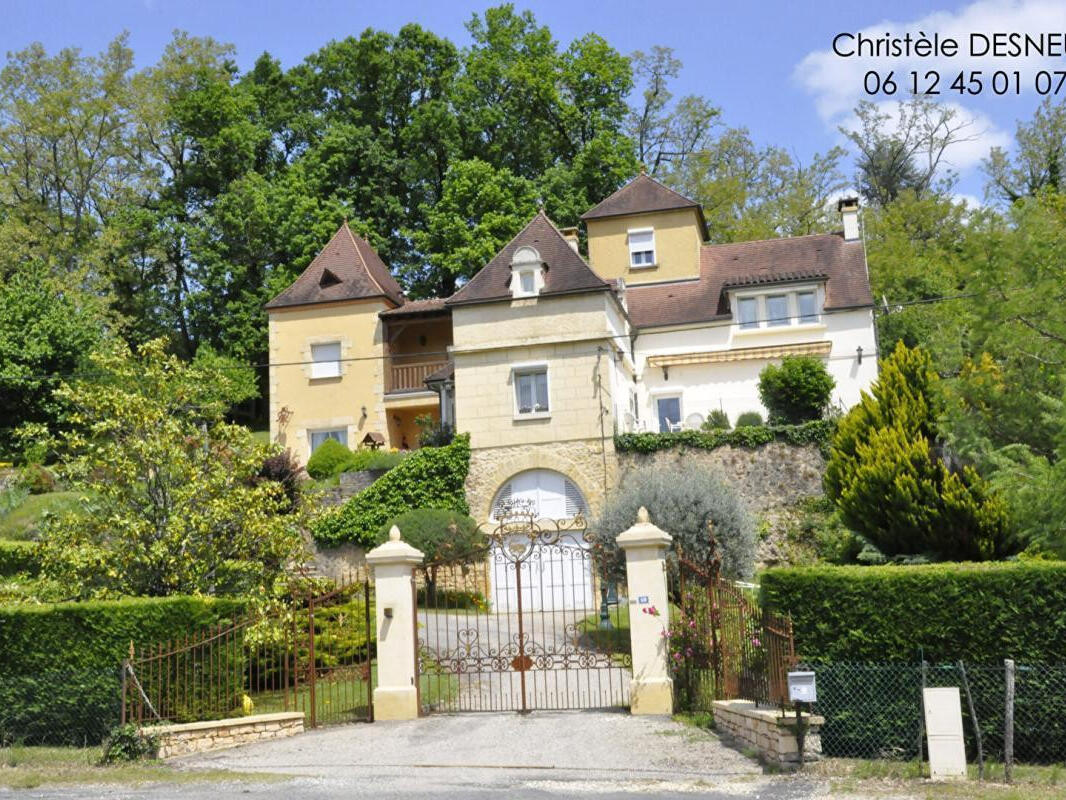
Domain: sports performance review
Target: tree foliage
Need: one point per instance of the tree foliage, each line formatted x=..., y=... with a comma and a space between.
x=795, y=391
x=171, y=502
x=897, y=485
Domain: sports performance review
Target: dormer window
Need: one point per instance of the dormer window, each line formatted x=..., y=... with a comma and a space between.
x=641, y=248
x=527, y=273
x=755, y=310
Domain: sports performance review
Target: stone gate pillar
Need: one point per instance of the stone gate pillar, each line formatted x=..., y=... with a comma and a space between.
x=652, y=689
x=396, y=695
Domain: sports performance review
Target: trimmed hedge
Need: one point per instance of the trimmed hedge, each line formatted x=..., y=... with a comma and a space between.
x=981, y=613
x=433, y=477
x=18, y=557
x=61, y=678
x=818, y=432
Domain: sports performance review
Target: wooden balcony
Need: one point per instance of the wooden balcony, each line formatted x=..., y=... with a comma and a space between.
x=408, y=376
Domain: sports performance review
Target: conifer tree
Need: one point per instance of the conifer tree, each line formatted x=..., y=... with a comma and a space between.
x=893, y=480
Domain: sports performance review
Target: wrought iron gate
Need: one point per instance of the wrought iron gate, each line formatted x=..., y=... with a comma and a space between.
x=527, y=621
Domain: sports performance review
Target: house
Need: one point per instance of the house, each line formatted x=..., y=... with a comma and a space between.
x=544, y=355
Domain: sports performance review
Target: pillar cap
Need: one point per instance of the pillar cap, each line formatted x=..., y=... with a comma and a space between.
x=643, y=534
x=394, y=551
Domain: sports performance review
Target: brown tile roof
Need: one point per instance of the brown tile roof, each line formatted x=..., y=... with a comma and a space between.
x=565, y=272
x=641, y=195
x=842, y=265
x=345, y=269
x=411, y=308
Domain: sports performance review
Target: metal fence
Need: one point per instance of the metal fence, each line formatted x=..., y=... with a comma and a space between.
x=874, y=710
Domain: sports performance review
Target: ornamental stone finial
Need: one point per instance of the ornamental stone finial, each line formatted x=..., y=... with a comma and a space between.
x=394, y=534
x=642, y=515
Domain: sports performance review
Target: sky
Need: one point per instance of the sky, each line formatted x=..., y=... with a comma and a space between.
x=767, y=64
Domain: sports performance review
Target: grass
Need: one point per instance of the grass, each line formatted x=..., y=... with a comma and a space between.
x=612, y=640
x=893, y=778
x=261, y=437
x=21, y=522
x=29, y=767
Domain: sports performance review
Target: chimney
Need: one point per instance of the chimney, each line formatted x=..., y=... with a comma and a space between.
x=570, y=234
x=849, y=213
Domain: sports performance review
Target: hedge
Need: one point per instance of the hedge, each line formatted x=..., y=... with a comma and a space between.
x=61, y=662
x=17, y=557
x=818, y=432
x=433, y=477
x=980, y=613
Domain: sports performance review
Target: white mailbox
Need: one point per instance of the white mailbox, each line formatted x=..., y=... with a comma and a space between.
x=802, y=688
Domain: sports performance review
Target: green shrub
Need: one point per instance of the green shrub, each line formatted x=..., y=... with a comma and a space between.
x=433, y=477
x=750, y=419
x=445, y=537
x=61, y=680
x=796, y=391
x=372, y=460
x=682, y=501
x=36, y=479
x=18, y=557
x=818, y=432
x=328, y=459
x=981, y=613
x=717, y=420
x=886, y=474
x=129, y=743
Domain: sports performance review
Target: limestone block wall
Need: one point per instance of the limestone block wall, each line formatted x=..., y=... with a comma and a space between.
x=582, y=461
x=767, y=731
x=198, y=737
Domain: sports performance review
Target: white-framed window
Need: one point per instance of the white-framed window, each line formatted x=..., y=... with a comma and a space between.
x=800, y=306
x=777, y=310
x=337, y=434
x=748, y=312
x=668, y=410
x=641, y=248
x=528, y=280
x=531, y=390
x=326, y=360
x=526, y=270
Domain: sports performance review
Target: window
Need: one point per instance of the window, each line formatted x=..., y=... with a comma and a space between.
x=642, y=248
x=318, y=437
x=669, y=410
x=326, y=360
x=807, y=304
x=748, y=311
x=527, y=282
x=777, y=309
x=531, y=390
x=525, y=265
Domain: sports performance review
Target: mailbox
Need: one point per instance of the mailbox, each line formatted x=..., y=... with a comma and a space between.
x=801, y=687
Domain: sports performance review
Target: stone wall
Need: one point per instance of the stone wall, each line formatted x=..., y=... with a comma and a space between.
x=768, y=732
x=198, y=737
x=341, y=562
x=582, y=461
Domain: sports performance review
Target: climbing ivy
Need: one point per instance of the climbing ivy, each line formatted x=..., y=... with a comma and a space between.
x=818, y=432
x=433, y=477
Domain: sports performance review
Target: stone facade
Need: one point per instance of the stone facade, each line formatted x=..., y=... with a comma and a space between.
x=583, y=462
x=768, y=732
x=198, y=737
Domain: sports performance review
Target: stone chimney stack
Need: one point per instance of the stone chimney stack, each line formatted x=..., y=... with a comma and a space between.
x=849, y=213
x=570, y=234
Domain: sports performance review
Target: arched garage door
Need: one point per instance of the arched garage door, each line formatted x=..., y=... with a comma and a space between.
x=560, y=576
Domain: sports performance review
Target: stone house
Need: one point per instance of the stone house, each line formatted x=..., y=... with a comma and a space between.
x=543, y=355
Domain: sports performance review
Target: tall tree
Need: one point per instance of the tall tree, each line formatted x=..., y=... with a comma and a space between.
x=1040, y=158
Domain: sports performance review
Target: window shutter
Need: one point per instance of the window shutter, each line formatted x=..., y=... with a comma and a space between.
x=575, y=503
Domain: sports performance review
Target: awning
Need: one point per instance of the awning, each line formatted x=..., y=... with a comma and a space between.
x=742, y=354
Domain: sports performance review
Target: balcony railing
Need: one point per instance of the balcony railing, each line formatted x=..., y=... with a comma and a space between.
x=408, y=376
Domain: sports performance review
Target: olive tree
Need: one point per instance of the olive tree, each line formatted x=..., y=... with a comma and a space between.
x=688, y=502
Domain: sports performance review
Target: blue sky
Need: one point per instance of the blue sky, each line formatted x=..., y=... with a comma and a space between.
x=765, y=64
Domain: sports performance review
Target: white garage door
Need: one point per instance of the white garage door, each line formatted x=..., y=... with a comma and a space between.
x=554, y=577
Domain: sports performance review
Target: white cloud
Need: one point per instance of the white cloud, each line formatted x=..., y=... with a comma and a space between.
x=837, y=82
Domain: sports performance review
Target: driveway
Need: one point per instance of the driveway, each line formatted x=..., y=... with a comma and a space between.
x=541, y=755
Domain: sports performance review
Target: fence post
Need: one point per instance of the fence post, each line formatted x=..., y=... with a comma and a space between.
x=651, y=690
x=396, y=695
x=1008, y=721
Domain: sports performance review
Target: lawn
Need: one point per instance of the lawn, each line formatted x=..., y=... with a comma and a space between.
x=895, y=778
x=29, y=767
x=21, y=522
x=611, y=640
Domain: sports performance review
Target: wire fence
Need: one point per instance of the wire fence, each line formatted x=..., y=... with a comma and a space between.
x=874, y=710
x=59, y=707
